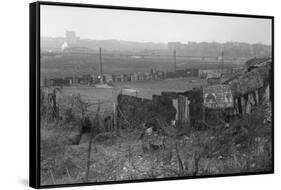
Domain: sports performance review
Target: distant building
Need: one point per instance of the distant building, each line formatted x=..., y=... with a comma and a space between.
x=171, y=75
x=192, y=72
x=147, y=75
x=56, y=82
x=132, y=77
x=181, y=73
x=116, y=78
x=75, y=80
x=127, y=77
x=71, y=37
x=85, y=79
x=160, y=75
x=135, y=76
x=207, y=73
x=69, y=80
x=176, y=46
x=140, y=76
x=94, y=79
x=107, y=78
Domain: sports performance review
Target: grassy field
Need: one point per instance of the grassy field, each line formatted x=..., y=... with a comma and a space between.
x=144, y=89
x=69, y=65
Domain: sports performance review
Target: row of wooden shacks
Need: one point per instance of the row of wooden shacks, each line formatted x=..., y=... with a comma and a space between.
x=211, y=104
x=88, y=79
x=112, y=78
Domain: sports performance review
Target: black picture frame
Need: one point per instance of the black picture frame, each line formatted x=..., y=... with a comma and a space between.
x=34, y=83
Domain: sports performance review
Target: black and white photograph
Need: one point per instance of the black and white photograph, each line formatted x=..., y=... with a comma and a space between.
x=140, y=94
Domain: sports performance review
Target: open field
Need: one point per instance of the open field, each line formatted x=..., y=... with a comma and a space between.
x=69, y=65
x=144, y=89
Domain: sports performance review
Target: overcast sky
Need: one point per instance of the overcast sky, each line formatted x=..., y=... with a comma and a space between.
x=104, y=24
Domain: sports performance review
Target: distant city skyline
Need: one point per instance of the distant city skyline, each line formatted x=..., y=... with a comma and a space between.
x=140, y=26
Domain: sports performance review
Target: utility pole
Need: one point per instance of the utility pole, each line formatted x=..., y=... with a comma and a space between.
x=222, y=63
x=175, y=60
x=101, y=75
